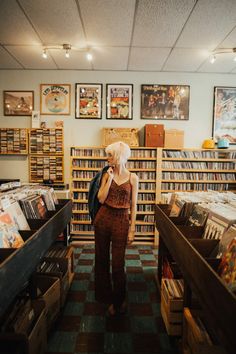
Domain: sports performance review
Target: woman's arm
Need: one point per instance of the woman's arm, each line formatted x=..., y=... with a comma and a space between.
x=105, y=185
x=133, y=208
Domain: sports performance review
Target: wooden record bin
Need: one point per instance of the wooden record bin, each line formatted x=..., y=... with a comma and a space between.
x=192, y=254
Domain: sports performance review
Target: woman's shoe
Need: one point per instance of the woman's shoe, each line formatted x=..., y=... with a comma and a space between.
x=123, y=308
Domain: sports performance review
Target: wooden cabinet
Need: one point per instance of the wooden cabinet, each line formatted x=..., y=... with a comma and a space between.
x=86, y=162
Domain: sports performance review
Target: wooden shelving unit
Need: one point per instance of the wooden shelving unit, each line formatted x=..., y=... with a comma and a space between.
x=86, y=162
x=46, y=160
x=13, y=141
x=160, y=171
x=190, y=252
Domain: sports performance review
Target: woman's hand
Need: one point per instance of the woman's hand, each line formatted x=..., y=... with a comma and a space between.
x=110, y=172
x=130, y=237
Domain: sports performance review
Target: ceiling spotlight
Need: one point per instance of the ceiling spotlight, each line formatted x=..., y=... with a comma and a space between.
x=67, y=55
x=212, y=59
x=89, y=57
x=44, y=55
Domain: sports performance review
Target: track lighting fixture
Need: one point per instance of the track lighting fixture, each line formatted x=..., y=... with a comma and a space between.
x=221, y=51
x=67, y=48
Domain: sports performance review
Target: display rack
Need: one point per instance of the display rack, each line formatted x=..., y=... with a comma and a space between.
x=217, y=302
x=13, y=141
x=46, y=160
x=17, y=265
x=85, y=163
x=160, y=171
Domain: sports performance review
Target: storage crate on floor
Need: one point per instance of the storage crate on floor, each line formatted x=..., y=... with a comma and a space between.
x=48, y=289
x=171, y=311
x=34, y=343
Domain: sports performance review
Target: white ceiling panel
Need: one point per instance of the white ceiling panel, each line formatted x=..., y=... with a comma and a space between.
x=7, y=61
x=224, y=64
x=76, y=61
x=31, y=57
x=148, y=59
x=108, y=22
x=110, y=58
x=182, y=59
x=209, y=24
x=158, y=23
x=14, y=27
x=57, y=22
x=230, y=40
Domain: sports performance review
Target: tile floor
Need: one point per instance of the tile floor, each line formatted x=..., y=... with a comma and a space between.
x=84, y=327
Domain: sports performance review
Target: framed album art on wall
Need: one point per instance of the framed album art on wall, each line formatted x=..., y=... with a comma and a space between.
x=169, y=102
x=224, y=114
x=119, y=101
x=55, y=99
x=18, y=103
x=88, y=101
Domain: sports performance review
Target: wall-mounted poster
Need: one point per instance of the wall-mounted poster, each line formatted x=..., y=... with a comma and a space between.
x=169, y=102
x=55, y=99
x=88, y=101
x=224, y=115
x=18, y=103
x=119, y=101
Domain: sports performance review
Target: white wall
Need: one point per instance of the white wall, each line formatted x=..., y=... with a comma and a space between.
x=82, y=132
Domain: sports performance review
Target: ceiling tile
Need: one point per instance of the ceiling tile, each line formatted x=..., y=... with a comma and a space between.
x=224, y=64
x=57, y=22
x=158, y=23
x=14, y=27
x=209, y=24
x=182, y=59
x=76, y=61
x=7, y=61
x=230, y=40
x=110, y=58
x=147, y=59
x=108, y=22
x=31, y=57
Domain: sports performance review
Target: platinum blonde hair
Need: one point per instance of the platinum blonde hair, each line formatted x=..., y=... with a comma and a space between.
x=120, y=151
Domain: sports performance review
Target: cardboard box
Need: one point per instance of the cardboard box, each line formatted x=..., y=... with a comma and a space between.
x=127, y=135
x=49, y=291
x=154, y=135
x=174, y=139
x=171, y=311
x=62, y=273
x=35, y=342
x=69, y=257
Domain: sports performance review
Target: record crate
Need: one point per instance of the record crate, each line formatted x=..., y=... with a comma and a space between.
x=35, y=342
x=58, y=250
x=171, y=311
x=47, y=288
x=195, y=336
x=56, y=267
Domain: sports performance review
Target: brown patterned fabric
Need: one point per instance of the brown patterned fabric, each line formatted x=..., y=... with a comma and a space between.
x=111, y=227
x=119, y=195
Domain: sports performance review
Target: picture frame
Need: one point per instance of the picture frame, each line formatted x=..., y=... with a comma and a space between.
x=55, y=99
x=119, y=101
x=224, y=114
x=18, y=103
x=165, y=102
x=88, y=101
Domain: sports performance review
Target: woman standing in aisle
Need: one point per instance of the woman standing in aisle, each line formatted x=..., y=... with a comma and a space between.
x=117, y=194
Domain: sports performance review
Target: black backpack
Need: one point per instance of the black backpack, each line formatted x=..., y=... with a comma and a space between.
x=93, y=202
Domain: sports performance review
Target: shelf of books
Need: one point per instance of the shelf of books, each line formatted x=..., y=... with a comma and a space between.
x=196, y=170
x=46, y=161
x=13, y=141
x=86, y=162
